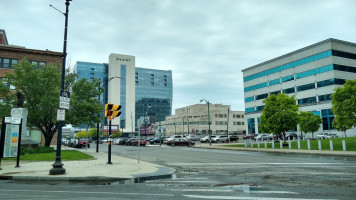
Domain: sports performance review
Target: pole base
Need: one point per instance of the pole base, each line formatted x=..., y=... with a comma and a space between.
x=109, y=163
x=57, y=169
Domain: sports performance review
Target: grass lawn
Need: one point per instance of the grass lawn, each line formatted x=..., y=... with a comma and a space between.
x=66, y=155
x=325, y=144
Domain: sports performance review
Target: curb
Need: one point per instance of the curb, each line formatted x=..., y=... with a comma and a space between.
x=286, y=151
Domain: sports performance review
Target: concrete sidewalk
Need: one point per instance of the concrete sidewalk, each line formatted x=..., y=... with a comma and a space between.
x=278, y=150
x=96, y=169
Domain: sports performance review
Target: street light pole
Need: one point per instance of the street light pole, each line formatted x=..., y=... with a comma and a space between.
x=208, y=119
x=58, y=165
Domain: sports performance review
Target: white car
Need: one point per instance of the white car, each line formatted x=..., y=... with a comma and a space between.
x=262, y=137
x=206, y=138
x=323, y=136
x=219, y=138
x=171, y=138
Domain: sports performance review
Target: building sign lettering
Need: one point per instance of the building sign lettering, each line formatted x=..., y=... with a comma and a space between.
x=124, y=59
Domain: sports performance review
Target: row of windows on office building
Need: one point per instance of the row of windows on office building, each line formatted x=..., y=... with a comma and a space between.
x=300, y=88
x=327, y=117
x=301, y=62
x=309, y=100
x=152, y=80
x=302, y=75
x=225, y=116
x=218, y=123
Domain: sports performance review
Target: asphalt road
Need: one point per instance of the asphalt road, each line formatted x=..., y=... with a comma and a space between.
x=213, y=174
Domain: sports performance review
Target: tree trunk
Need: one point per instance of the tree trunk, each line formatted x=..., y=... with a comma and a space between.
x=284, y=137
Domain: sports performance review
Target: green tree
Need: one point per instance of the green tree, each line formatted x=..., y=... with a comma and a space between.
x=7, y=99
x=308, y=122
x=40, y=88
x=84, y=103
x=279, y=115
x=344, y=106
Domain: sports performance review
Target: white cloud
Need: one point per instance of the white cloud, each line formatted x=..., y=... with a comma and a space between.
x=206, y=44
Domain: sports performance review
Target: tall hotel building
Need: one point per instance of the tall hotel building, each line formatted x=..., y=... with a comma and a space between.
x=310, y=73
x=140, y=91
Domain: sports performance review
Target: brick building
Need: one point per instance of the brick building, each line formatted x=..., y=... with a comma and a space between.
x=11, y=55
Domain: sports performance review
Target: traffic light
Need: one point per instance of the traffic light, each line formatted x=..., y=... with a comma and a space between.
x=116, y=111
x=112, y=111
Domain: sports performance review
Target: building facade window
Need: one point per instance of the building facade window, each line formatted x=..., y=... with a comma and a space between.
x=261, y=96
x=306, y=87
x=314, y=71
x=289, y=90
x=249, y=110
x=327, y=118
x=248, y=99
x=275, y=92
x=307, y=100
x=255, y=87
x=274, y=82
x=260, y=108
x=288, y=78
x=251, y=126
x=289, y=65
x=325, y=97
x=333, y=81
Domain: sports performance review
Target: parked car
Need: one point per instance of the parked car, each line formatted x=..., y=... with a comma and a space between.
x=100, y=141
x=73, y=142
x=322, y=136
x=333, y=135
x=136, y=141
x=156, y=140
x=262, y=137
x=129, y=141
x=172, y=137
x=219, y=138
x=206, y=138
x=65, y=142
x=192, y=137
x=291, y=136
x=247, y=137
x=180, y=142
x=83, y=142
x=233, y=137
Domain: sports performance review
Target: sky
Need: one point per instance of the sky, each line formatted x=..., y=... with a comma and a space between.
x=206, y=43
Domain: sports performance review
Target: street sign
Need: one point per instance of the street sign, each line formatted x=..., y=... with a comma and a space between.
x=64, y=105
x=64, y=98
x=61, y=115
x=65, y=94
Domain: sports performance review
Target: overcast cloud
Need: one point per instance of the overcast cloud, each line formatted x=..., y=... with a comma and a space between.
x=206, y=43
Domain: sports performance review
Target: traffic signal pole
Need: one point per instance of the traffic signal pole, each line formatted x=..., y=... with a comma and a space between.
x=109, y=143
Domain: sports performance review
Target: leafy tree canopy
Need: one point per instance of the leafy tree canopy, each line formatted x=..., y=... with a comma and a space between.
x=309, y=122
x=344, y=106
x=280, y=114
x=40, y=88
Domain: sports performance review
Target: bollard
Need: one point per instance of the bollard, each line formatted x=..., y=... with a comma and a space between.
x=344, y=145
x=258, y=143
x=273, y=143
x=308, y=141
x=251, y=143
x=280, y=144
x=245, y=143
x=319, y=144
x=289, y=144
x=331, y=146
x=266, y=144
x=298, y=143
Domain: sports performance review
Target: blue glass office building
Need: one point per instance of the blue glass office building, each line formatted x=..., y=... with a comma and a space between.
x=153, y=94
x=90, y=71
x=152, y=90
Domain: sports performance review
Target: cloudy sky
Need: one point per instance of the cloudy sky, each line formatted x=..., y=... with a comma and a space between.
x=206, y=43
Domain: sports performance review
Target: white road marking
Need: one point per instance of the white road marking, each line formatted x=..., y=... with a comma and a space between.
x=88, y=192
x=246, y=198
x=257, y=164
